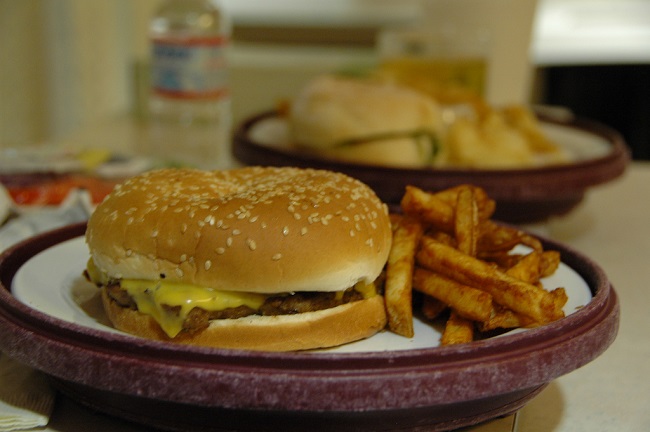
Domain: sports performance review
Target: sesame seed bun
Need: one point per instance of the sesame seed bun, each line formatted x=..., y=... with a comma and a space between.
x=259, y=230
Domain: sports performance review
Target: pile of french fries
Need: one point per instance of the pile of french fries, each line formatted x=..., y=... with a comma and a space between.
x=446, y=247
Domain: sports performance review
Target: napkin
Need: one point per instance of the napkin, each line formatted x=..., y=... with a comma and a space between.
x=26, y=400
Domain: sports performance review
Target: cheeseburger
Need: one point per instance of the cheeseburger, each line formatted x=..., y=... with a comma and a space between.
x=275, y=259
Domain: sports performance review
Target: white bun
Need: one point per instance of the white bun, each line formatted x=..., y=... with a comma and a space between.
x=310, y=330
x=330, y=110
x=254, y=229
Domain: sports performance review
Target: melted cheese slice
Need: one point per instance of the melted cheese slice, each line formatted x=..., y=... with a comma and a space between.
x=151, y=297
x=169, y=303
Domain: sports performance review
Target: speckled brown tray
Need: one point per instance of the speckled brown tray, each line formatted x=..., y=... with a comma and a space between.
x=191, y=388
x=522, y=195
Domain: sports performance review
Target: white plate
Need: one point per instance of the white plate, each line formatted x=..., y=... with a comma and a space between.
x=580, y=145
x=52, y=282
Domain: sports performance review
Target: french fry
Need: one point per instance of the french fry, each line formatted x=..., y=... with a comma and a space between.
x=469, y=302
x=458, y=330
x=550, y=261
x=559, y=298
x=495, y=238
x=466, y=222
x=527, y=269
x=399, y=276
x=502, y=259
x=443, y=237
x=505, y=319
x=432, y=307
x=446, y=247
x=428, y=208
x=519, y=296
x=486, y=205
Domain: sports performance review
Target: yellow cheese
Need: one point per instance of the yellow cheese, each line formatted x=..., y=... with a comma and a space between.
x=367, y=290
x=157, y=298
x=150, y=296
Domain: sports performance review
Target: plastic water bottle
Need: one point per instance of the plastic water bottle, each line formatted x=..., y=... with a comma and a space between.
x=189, y=103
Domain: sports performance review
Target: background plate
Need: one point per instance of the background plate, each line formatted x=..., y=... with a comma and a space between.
x=522, y=195
x=188, y=388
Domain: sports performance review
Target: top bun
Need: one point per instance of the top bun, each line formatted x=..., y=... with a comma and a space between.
x=331, y=110
x=265, y=230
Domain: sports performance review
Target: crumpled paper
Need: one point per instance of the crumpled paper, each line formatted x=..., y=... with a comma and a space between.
x=77, y=207
x=26, y=400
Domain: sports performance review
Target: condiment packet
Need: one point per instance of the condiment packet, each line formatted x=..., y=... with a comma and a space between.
x=76, y=208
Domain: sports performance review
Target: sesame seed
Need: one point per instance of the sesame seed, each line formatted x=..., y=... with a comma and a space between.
x=303, y=231
x=276, y=257
x=251, y=244
x=220, y=251
x=207, y=265
x=178, y=272
x=285, y=231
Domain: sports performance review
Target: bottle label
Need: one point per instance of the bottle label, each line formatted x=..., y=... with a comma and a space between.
x=190, y=68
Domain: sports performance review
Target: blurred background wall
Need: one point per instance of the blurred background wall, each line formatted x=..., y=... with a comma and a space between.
x=68, y=64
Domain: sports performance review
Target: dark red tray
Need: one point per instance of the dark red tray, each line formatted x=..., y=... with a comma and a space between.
x=174, y=387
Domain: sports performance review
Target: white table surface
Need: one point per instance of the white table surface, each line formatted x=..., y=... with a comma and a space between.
x=612, y=392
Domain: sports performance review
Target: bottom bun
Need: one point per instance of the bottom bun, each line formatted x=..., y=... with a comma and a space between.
x=311, y=330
